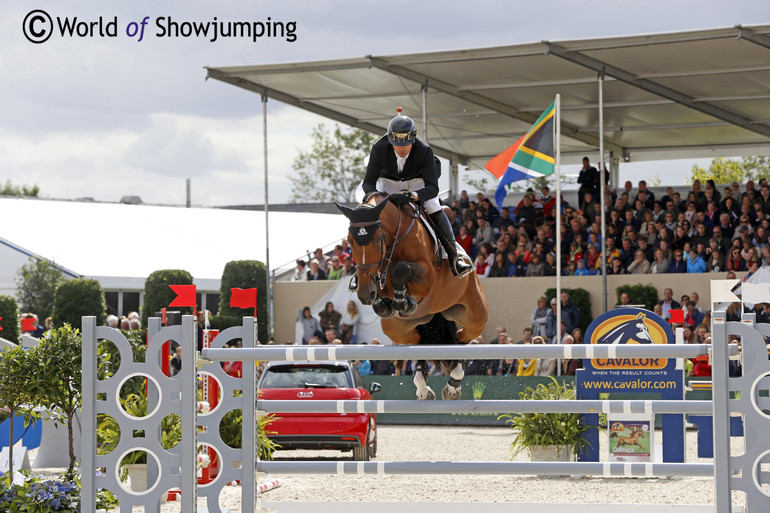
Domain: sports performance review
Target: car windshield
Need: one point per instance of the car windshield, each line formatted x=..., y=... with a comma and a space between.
x=318, y=376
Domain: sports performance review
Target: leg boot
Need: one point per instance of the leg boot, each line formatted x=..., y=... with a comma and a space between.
x=458, y=265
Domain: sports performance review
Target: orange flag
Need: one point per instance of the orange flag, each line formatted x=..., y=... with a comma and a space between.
x=244, y=298
x=185, y=295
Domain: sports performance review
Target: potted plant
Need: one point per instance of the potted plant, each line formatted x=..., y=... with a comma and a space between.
x=547, y=436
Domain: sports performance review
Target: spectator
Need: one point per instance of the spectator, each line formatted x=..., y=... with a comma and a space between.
x=476, y=367
x=315, y=272
x=577, y=336
x=715, y=258
x=589, y=179
x=484, y=232
x=677, y=265
x=363, y=367
x=625, y=299
x=175, y=364
x=526, y=334
x=310, y=325
x=549, y=268
x=330, y=318
x=234, y=369
x=569, y=312
x=335, y=269
x=668, y=303
x=506, y=366
x=349, y=324
x=536, y=267
x=736, y=262
x=570, y=365
x=381, y=367
x=580, y=268
x=321, y=259
x=695, y=264
x=112, y=321
x=692, y=317
x=640, y=265
x=300, y=274
x=330, y=336
x=660, y=264
x=500, y=267
x=347, y=264
x=539, y=317
x=465, y=240
x=544, y=366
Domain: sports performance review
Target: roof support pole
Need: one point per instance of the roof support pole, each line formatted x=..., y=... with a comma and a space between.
x=602, y=181
x=268, y=291
x=453, y=180
x=424, y=90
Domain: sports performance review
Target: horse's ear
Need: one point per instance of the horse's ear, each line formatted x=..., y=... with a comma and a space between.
x=380, y=207
x=346, y=211
x=640, y=317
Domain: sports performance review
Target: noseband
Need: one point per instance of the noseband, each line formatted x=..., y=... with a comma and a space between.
x=386, y=250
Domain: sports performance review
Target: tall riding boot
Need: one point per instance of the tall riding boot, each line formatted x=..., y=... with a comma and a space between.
x=458, y=265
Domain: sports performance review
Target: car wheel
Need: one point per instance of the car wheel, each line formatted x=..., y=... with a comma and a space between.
x=362, y=453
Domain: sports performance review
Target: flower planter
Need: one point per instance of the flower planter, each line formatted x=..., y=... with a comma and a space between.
x=551, y=453
x=137, y=477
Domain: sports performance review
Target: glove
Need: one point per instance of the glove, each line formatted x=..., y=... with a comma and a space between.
x=400, y=199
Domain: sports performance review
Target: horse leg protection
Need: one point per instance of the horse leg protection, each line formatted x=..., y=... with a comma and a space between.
x=384, y=308
x=453, y=389
x=420, y=380
x=403, y=302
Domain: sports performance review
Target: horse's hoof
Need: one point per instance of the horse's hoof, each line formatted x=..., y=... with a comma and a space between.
x=430, y=395
x=450, y=393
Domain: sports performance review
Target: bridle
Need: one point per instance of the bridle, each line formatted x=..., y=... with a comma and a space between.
x=386, y=250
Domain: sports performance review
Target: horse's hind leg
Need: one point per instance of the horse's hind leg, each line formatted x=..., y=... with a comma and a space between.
x=421, y=381
x=453, y=389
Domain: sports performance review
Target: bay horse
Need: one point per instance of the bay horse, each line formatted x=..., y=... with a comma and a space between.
x=401, y=274
x=632, y=439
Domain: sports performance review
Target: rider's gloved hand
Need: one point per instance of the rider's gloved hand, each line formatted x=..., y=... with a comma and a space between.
x=400, y=199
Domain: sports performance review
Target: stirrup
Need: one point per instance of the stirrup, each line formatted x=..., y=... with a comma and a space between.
x=456, y=271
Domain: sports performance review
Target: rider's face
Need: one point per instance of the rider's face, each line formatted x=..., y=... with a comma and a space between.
x=403, y=151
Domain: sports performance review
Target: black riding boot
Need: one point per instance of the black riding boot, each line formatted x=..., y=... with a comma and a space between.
x=459, y=266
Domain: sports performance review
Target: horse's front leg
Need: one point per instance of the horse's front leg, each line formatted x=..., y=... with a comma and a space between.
x=453, y=389
x=401, y=273
x=420, y=380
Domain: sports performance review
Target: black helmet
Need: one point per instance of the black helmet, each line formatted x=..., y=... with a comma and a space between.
x=401, y=131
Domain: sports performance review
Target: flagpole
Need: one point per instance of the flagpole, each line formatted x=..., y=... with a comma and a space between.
x=603, y=242
x=557, y=144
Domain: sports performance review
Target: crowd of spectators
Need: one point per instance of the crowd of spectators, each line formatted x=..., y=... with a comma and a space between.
x=326, y=267
x=706, y=231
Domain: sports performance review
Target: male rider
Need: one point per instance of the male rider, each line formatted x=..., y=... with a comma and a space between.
x=399, y=161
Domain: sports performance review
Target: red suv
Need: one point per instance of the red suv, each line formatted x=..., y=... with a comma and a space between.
x=308, y=381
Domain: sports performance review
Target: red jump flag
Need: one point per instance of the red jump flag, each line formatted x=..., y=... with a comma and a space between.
x=244, y=298
x=1, y=328
x=28, y=324
x=185, y=295
x=677, y=316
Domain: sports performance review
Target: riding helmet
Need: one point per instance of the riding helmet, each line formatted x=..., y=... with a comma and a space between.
x=401, y=131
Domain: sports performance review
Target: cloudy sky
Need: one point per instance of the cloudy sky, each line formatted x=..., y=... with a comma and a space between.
x=105, y=117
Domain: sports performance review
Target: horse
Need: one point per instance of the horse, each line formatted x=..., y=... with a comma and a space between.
x=632, y=439
x=401, y=274
x=634, y=330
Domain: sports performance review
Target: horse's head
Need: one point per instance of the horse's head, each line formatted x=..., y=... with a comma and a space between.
x=634, y=330
x=367, y=245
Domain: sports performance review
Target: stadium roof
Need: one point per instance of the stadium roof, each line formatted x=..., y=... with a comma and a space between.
x=678, y=95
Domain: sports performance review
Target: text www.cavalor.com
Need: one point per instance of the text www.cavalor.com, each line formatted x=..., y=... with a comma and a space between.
x=636, y=384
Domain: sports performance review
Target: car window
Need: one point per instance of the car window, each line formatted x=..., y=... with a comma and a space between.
x=359, y=383
x=292, y=376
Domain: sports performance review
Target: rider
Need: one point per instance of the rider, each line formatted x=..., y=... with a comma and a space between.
x=399, y=161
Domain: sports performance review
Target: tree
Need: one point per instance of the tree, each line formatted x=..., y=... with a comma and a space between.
x=158, y=294
x=244, y=274
x=37, y=281
x=19, y=375
x=60, y=358
x=12, y=190
x=9, y=319
x=333, y=167
x=726, y=171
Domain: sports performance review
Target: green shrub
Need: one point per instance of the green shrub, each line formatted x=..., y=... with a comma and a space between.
x=244, y=274
x=158, y=294
x=9, y=318
x=74, y=299
x=581, y=299
x=640, y=294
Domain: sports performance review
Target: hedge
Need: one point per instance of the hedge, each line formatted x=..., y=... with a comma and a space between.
x=9, y=318
x=243, y=274
x=158, y=294
x=74, y=299
x=639, y=294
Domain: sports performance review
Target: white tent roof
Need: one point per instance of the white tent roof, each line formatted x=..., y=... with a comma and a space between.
x=122, y=244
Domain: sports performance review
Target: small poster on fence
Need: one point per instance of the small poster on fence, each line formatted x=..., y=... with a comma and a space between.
x=631, y=438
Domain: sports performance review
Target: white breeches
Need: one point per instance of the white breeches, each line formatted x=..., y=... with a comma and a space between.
x=413, y=185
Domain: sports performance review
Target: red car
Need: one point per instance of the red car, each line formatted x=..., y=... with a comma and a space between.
x=310, y=381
